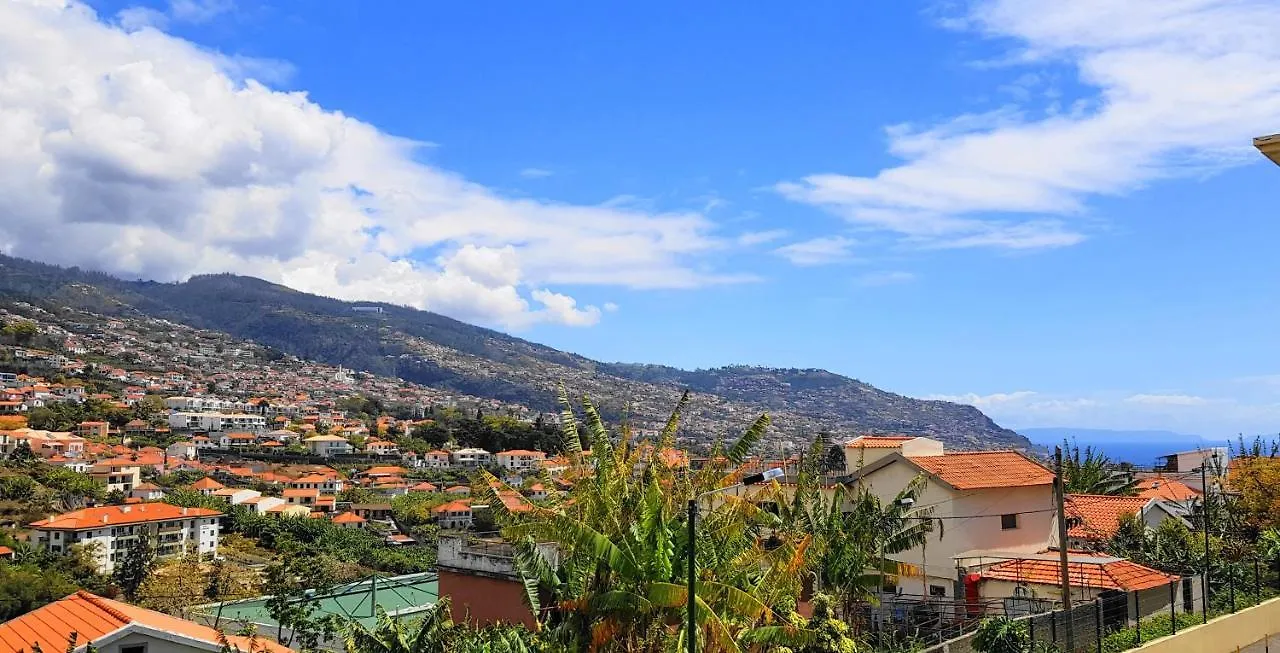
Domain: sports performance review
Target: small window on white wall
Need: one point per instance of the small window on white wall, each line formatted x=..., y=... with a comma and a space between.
x=134, y=648
x=1009, y=522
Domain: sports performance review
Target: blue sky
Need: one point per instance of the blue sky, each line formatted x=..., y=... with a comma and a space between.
x=1049, y=210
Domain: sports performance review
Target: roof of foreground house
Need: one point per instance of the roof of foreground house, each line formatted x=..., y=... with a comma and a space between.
x=974, y=470
x=1102, y=573
x=878, y=441
x=92, y=618
x=1099, y=515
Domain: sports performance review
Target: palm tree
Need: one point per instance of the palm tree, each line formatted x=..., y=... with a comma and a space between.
x=854, y=532
x=1088, y=471
x=621, y=535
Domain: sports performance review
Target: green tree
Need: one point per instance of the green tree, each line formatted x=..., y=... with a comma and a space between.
x=21, y=332
x=139, y=560
x=835, y=460
x=1088, y=471
x=1002, y=635
x=623, y=546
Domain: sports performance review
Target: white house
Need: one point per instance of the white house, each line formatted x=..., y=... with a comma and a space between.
x=471, y=457
x=327, y=445
x=116, y=627
x=236, y=495
x=996, y=505
x=520, y=460
x=173, y=529
x=455, y=514
x=147, y=492
x=436, y=459
x=185, y=450
x=382, y=448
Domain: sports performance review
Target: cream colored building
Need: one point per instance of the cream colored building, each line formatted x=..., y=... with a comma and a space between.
x=1269, y=146
x=987, y=506
x=109, y=531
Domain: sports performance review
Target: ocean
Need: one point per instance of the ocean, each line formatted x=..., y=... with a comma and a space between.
x=1141, y=448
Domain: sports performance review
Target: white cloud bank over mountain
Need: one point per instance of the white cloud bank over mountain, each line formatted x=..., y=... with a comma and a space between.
x=129, y=150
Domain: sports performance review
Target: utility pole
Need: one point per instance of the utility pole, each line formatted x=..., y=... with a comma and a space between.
x=691, y=630
x=1204, y=505
x=1060, y=492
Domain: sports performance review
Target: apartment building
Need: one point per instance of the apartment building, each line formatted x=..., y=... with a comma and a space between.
x=472, y=457
x=453, y=515
x=111, y=530
x=520, y=460
x=212, y=422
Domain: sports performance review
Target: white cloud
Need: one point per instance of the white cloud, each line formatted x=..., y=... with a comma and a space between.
x=144, y=155
x=761, y=237
x=885, y=278
x=1166, y=400
x=180, y=11
x=609, y=307
x=1211, y=415
x=818, y=251
x=536, y=173
x=985, y=401
x=1176, y=88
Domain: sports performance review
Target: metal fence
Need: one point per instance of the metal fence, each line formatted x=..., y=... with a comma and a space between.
x=1109, y=622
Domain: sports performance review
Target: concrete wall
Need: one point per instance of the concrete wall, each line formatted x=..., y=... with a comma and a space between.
x=482, y=600
x=1228, y=633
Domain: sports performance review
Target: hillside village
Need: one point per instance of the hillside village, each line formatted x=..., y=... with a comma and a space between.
x=198, y=454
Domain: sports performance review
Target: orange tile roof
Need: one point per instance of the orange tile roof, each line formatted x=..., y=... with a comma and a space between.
x=974, y=470
x=92, y=617
x=118, y=515
x=878, y=441
x=348, y=518
x=207, y=483
x=1099, y=515
x=1166, y=489
x=452, y=506
x=459, y=489
x=424, y=487
x=1115, y=574
x=302, y=492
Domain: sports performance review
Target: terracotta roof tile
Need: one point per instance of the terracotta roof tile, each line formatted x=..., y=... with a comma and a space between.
x=348, y=518
x=1166, y=489
x=1099, y=515
x=117, y=515
x=207, y=483
x=1115, y=574
x=974, y=470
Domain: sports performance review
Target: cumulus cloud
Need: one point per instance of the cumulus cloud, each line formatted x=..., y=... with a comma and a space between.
x=818, y=251
x=125, y=149
x=1173, y=88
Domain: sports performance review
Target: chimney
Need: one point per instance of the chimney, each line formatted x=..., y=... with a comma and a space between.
x=104, y=519
x=125, y=509
x=184, y=511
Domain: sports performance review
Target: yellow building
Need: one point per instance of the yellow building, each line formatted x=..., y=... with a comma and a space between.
x=1269, y=146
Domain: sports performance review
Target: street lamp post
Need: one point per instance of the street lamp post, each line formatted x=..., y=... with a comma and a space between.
x=691, y=629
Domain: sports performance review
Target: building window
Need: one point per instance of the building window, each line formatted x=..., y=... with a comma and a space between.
x=937, y=590
x=1009, y=522
x=134, y=648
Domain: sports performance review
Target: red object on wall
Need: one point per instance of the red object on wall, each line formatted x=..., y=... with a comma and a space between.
x=483, y=600
x=971, y=596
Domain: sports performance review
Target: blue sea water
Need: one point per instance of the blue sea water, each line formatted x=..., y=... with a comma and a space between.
x=1141, y=448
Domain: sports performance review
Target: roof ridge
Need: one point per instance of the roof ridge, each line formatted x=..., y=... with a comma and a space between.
x=100, y=603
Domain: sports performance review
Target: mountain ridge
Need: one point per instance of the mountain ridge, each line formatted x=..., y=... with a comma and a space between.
x=433, y=349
